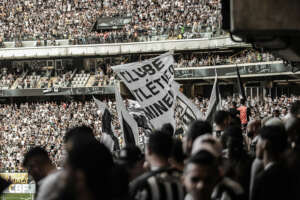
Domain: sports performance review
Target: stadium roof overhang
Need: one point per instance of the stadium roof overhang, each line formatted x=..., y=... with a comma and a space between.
x=117, y=48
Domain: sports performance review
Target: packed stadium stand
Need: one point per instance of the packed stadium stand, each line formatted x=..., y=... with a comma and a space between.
x=39, y=76
x=74, y=20
x=57, y=59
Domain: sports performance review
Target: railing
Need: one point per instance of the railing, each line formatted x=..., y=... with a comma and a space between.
x=58, y=91
x=229, y=71
x=224, y=72
x=32, y=42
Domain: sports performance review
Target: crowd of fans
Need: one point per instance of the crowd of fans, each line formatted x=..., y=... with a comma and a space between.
x=29, y=124
x=74, y=20
x=242, y=157
x=38, y=76
x=246, y=56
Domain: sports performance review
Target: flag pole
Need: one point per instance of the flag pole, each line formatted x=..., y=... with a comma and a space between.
x=216, y=72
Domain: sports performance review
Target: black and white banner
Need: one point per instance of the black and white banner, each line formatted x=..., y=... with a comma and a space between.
x=187, y=109
x=128, y=124
x=151, y=83
x=101, y=106
x=108, y=131
x=214, y=102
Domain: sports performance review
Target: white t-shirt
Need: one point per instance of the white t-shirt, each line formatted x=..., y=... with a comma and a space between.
x=50, y=186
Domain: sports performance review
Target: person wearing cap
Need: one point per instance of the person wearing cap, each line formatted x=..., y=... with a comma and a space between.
x=132, y=159
x=203, y=179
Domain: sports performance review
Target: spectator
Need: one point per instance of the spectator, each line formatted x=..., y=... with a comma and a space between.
x=203, y=179
x=196, y=129
x=273, y=182
x=222, y=121
x=243, y=113
x=53, y=184
x=238, y=165
x=54, y=20
x=177, y=157
x=161, y=177
x=252, y=133
x=233, y=110
x=132, y=159
x=39, y=165
x=292, y=155
x=84, y=170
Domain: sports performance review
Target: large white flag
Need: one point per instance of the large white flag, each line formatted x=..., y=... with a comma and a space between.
x=186, y=108
x=128, y=124
x=151, y=83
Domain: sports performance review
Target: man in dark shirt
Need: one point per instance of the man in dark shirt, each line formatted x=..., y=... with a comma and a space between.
x=233, y=110
x=222, y=121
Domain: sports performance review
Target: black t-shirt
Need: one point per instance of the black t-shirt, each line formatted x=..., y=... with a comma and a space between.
x=234, y=112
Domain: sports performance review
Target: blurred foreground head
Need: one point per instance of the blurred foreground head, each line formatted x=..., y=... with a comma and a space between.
x=80, y=135
x=38, y=163
x=295, y=109
x=292, y=127
x=272, y=143
x=89, y=172
x=132, y=159
x=158, y=148
x=196, y=129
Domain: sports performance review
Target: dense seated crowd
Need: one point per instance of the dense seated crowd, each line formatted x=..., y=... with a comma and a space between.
x=242, y=157
x=73, y=20
x=26, y=125
x=30, y=124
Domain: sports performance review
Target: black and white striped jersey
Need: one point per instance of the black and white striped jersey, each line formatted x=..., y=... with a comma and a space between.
x=158, y=185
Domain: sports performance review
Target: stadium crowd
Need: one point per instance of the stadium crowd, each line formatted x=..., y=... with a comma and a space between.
x=45, y=123
x=73, y=20
x=224, y=162
x=36, y=75
x=30, y=124
x=246, y=56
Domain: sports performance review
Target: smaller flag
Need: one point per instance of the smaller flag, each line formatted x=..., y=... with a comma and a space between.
x=107, y=130
x=187, y=109
x=240, y=84
x=128, y=124
x=214, y=102
x=101, y=106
